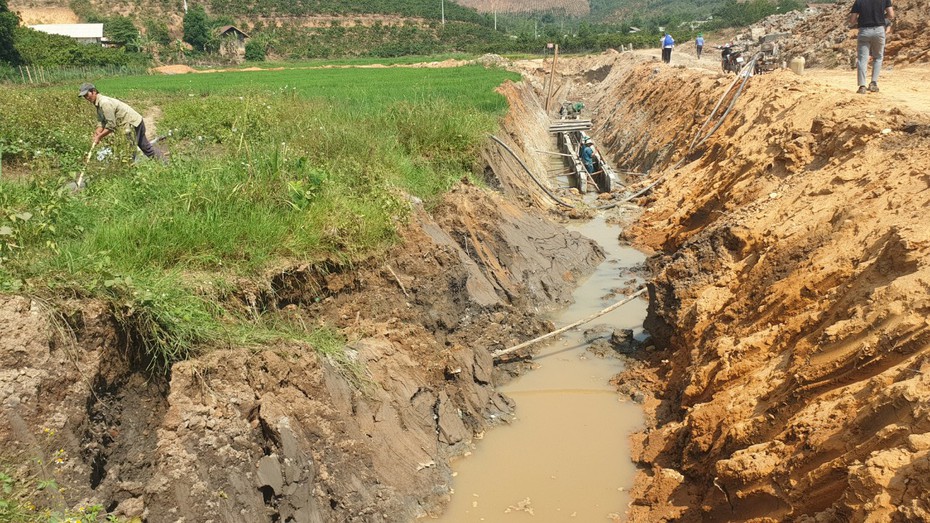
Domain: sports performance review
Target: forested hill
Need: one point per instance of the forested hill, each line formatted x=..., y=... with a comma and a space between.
x=430, y=9
x=161, y=30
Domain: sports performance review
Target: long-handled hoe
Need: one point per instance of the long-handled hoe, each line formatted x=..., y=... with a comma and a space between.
x=79, y=184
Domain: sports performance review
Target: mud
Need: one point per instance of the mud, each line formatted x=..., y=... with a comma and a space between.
x=789, y=374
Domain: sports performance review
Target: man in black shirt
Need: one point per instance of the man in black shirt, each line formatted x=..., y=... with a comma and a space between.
x=871, y=17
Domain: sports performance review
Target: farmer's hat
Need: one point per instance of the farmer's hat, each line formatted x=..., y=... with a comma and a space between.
x=86, y=88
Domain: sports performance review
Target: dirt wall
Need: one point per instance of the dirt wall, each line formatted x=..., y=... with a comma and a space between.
x=790, y=307
x=277, y=432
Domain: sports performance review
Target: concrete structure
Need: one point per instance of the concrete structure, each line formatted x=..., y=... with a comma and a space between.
x=83, y=33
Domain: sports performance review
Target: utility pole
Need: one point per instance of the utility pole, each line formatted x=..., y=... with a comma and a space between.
x=495, y=15
x=442, y=5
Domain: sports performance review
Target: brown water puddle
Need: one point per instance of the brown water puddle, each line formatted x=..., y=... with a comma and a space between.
x=567, y=457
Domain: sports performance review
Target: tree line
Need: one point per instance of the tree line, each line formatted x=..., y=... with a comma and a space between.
x=150, y=39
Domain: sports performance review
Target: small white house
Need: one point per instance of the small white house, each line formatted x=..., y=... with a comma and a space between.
x=82, y=33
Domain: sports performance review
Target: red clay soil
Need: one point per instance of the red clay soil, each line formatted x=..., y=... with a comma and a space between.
x=789, y=307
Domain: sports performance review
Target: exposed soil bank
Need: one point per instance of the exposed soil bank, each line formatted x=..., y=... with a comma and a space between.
x=566, y=457
x=276, y=433
x=791, y=298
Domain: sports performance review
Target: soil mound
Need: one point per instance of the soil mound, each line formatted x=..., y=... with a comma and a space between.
x=789, y=307
x=174, y=69
x=32, y=14
x=822, y=36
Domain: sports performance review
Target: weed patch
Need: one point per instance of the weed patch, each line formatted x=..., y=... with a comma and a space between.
x=267, y=168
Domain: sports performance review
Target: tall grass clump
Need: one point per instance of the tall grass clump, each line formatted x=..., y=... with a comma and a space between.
x=267, y=169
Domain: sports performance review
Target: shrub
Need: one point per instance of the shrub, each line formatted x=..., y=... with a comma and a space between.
x=197, y=28
x=38, y=48
x=8, y=23
x=254, y=51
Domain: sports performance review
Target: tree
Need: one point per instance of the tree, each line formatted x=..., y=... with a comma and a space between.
x=9, y=21
x=121, y=30
x=157, y=30
x=197, y=28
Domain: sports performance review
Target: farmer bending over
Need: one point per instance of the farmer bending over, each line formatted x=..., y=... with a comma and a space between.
x=115, y=115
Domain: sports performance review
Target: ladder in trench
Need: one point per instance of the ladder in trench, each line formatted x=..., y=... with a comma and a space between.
x=570, y=134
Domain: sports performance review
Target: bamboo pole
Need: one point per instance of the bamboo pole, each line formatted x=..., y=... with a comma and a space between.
x=591, y=179
x=29, y=74
x=556, y=332
x=21, y=74
x=397, y=280
x=553, y=153
x=555, y=59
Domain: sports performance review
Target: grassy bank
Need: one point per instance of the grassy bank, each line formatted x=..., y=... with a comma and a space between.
x=267, y=169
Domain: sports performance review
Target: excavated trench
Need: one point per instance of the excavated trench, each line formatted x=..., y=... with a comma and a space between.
x=786, y=378
x=566, y=456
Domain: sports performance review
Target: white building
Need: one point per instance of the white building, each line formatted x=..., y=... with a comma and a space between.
x=83, y=33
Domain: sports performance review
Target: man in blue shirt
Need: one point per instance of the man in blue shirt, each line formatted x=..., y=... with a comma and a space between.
x=699, y=44
x=871, y=17
x=667, y=44
x=587, y=156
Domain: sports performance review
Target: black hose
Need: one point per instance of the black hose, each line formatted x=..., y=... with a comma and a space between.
x=527, y=169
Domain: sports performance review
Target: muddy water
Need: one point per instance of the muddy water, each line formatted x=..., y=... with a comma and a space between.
x=566, y=458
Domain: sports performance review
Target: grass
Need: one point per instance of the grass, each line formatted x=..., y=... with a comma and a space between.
x=268, y=167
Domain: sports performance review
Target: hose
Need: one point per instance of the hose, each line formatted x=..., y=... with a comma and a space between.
x=527, y=169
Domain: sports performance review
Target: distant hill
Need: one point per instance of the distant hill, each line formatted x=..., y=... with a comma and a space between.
x=300, y=29
x=600, y=10
x=571, y=8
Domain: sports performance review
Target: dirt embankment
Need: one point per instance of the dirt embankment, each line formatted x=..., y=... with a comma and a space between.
x=790, y=303
x=277, y=433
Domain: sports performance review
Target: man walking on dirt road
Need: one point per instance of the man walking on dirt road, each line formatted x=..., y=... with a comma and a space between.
x=114, y=115
x=871, y=17
x=699, y=44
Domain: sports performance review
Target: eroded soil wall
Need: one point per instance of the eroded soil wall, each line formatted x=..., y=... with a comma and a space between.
x=789, y=310
x=277, y=432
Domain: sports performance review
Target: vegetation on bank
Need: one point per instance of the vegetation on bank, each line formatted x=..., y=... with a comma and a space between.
x=411, y=27
x=268, y=169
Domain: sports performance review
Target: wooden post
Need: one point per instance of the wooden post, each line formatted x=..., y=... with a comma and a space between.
x=21, y=74
x=555, y=58
x=29, y=73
